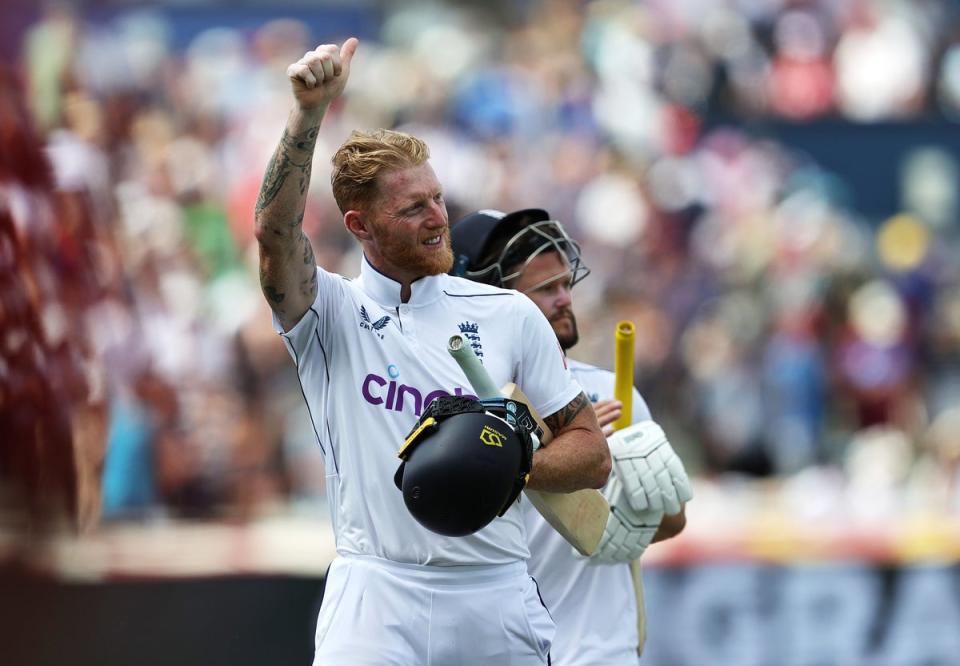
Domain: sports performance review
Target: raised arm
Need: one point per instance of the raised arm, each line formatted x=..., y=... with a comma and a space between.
x=577, y=457
x=288, y=271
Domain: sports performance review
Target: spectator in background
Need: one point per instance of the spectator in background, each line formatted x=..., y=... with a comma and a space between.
x=39, y=363
x=709, y=232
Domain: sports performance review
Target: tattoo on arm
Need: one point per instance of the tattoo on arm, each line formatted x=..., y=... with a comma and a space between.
x=560, y=420
x=308, y=258
x=276, y=297
x=281, y=164
x=308, y=286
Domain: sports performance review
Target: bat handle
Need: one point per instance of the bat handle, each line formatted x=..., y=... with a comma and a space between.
x=479, y=378
x=476, y=374
x=623, y=371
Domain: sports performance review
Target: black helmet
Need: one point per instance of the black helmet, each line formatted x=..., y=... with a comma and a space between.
x=494, y=247
x=465, y=462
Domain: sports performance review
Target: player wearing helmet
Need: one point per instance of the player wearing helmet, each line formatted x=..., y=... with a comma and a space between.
x=592, y=600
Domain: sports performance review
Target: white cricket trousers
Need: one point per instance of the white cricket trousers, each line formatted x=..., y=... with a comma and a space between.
x=376, y=612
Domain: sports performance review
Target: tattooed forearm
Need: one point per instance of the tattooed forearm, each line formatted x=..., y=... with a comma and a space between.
x=560, y=420
x=304, y=142
x=288, y=272
x=305, y=177
x=284, y=161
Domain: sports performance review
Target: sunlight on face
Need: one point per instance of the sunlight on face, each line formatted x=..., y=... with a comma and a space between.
x=409, y=224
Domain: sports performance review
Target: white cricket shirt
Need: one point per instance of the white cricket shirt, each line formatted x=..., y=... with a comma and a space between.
x=592, y=602
x=368, y=365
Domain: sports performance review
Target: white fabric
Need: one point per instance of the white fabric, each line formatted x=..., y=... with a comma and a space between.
x=368, y=364
x=652, y=474
x=380, y=613
x=592, y=602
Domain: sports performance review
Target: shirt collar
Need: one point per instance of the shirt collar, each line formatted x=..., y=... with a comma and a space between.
x=386, y=291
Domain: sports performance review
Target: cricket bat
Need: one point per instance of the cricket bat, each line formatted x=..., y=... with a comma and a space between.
x=581, y=516
x=623, y=338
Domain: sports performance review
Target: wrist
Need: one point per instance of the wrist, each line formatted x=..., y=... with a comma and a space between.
x=312, y=112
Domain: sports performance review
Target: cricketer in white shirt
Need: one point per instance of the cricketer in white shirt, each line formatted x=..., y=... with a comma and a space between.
x=370, y=354
x=368, y=364
x=593, y=602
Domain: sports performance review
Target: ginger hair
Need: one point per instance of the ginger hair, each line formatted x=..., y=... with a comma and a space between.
x=364, y=156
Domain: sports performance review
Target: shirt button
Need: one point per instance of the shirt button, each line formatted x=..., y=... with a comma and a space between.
x=404, y=309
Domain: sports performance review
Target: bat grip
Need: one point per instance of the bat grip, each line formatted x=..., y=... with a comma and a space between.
x=476, y=374
x=623, y=371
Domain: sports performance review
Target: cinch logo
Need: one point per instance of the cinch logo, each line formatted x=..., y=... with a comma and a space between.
x=393, y=396
x=374, y=326
x=471, y=331
x=492, y=437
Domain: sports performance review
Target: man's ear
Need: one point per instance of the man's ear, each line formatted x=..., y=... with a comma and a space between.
x=356, y=223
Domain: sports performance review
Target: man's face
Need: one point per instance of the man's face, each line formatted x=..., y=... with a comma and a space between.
x=409, y=225
x=546, y=281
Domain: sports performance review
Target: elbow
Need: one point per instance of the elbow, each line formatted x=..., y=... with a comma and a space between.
x=671, y=525
x=261, y=231
x=603, y=467
x=271, y=235
x=677, y=523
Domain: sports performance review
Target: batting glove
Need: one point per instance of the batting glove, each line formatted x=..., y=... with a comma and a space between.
x=628, y=532
x=652, y=475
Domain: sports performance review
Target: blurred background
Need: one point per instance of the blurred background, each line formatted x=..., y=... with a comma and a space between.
x=768, y=188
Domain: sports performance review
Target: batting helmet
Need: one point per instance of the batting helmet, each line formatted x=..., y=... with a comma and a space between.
x=465, y=462
x=494, y=247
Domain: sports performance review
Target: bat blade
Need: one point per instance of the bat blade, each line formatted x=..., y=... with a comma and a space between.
x=579, y=517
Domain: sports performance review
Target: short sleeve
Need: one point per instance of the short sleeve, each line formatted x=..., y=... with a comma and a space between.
x=315, y=325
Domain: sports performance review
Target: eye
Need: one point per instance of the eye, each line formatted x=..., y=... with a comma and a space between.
x=438, y=197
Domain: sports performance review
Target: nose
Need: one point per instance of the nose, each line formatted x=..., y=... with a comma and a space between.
x=563, y=298
x=438, y=215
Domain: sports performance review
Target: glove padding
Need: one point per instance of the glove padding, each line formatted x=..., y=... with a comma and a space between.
x=652, y=475
x=628, y=532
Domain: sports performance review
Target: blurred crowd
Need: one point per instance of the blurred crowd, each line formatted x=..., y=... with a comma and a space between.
x=779, y=330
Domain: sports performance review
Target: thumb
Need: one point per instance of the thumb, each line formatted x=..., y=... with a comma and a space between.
x=347, y=50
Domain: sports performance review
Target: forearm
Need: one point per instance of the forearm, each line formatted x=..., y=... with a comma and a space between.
x=577, y=457
x=287, y=264
x=574, y=460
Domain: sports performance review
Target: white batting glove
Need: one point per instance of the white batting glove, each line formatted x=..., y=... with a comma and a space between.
x=628, y=532
x=652, y=475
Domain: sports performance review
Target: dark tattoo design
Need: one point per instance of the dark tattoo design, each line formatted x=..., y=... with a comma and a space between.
x=308, y=287
x=305, y=177
x=281, y=164
x=275, y=297
x=308, y=257
x=560, y=420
